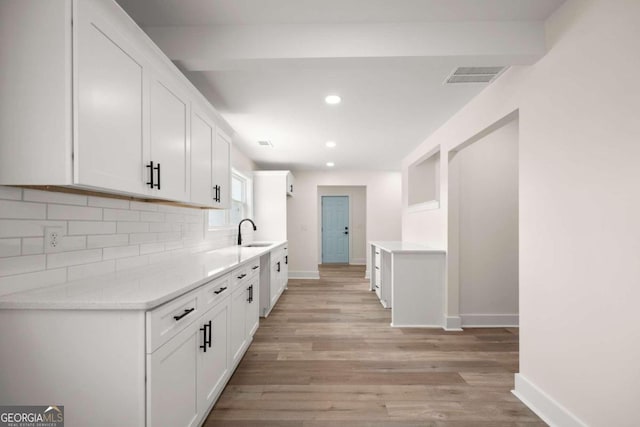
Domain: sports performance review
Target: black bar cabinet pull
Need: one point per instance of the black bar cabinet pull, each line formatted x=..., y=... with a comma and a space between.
x=278, y=266
x=210, y=328
x=286, y=259
x=186, y=312
x=204, y=337
x=255, y=267
x=150, y=167
x=221, y=290
x=242, y=276
x=158, y=169
x=291, y=190
x=250, y=289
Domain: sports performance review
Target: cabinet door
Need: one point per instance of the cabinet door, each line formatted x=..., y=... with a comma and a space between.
x=169, y=136
x=172, y=379
x=252, y=311
x=213, y=365
x=276, y=268
x=202, y=145
x=110, y=90
x=222, y=169
x=238, y=336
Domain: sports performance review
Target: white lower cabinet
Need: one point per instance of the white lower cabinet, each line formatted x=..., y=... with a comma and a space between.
x=172, y=380
x=238, y=319
x=213, y=363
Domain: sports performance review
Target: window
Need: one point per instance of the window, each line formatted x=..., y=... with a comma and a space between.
x=241, y=203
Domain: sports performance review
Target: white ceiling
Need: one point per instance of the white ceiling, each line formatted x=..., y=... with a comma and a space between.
x=267, y=65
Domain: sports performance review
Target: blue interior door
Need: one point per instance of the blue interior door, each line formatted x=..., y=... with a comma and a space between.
x=335, y=229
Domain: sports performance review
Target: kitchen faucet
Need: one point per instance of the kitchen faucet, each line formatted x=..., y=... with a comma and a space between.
x=240, y=231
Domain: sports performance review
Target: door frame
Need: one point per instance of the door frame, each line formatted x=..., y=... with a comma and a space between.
x=321, y=232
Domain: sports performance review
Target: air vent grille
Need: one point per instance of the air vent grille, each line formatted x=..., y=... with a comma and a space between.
x=474, y=74
x=265, y=144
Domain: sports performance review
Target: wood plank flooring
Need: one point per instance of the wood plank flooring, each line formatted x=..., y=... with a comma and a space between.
x=326, y=356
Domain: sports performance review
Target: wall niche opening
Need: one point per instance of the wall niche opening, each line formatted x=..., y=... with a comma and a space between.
x=424, y=182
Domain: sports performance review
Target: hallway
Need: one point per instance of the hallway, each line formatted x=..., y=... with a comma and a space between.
x=326, y=356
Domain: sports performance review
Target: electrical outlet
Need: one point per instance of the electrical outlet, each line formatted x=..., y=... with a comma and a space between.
x=53, y=239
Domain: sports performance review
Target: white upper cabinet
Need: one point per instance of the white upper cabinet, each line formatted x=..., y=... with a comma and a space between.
x=169, y=140
x=91, y=104
x=222, y=170
x=109, y=105
x=202, y=161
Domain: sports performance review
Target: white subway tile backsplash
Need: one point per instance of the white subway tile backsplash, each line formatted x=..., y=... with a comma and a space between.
x=103, y=202
x=161, y=227
x=26, y=228
x=121, y=215
x=91, y=270
x=136, y=238
x=21, y=264
x=9, y=247
x=91, y=227
x=64, y=259
x=107, y=240
x=151, y=216
x=72, y=243
x=101, y=235
x=25, y=282
x=151, y=248
x=74, y=212
x=133, y=227
x=167, y=237
x=54, y=197
x=148, y=207
x=10, y=193
x=170, y=217
x=120, y=252
x=22, y=210
x=32, y=245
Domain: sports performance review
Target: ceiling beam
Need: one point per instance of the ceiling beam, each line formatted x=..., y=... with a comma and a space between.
x=219, y=47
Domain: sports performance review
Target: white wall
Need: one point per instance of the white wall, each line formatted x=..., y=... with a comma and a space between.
x=579, y=209
x=487, y=206
x=357, y=220
x=383, y=212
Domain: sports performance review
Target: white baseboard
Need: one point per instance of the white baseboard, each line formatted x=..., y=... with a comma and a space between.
x=489, y=320
x=551, y=412
x=452, y=323
x=304, y=274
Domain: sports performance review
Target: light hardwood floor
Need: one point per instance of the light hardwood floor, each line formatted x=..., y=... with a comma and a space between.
x=326, y=356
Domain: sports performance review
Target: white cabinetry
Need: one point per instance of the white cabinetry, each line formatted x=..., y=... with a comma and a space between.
x=97, y=106
x=222, y=169
x=110, y=97
x=202, y=159
x=244, y=309
x=274, y=278
x=409, y=279
x=169, y=139
x=270, y=203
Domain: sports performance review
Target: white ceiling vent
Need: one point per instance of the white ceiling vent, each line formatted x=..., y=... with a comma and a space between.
x=474, y=74
x=267, y=144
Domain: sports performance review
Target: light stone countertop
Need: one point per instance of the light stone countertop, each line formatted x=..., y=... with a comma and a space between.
x=406, y=247
x=138, y=289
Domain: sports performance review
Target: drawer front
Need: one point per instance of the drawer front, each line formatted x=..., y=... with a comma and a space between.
x=239, y=275
x=166, y=321
x=377, y=262
x=215, y=291
x=254, y=267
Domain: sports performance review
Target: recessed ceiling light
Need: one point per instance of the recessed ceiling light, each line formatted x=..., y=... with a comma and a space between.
x=331, y=144
x=333, y=99
x=331, y=164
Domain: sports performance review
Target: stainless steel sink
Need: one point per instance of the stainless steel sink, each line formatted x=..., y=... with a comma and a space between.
x=258, y=245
